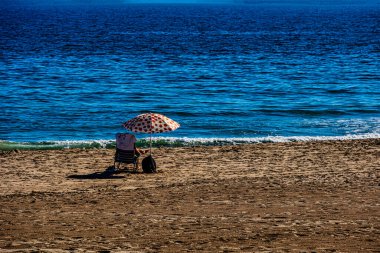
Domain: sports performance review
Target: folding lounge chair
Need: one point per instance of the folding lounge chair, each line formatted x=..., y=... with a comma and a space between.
x=125, y=156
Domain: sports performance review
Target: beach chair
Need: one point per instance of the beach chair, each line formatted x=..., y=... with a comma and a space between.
x=126, y=157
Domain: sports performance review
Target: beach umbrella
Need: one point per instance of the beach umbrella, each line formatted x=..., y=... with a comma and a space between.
x=151, y=123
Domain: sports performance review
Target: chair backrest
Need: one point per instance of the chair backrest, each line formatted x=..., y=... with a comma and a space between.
x=125, y=156
x=125, y=141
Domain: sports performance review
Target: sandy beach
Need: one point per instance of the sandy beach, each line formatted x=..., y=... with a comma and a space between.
x=268, y=197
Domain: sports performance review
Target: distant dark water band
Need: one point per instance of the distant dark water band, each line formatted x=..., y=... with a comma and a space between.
x=173, y=142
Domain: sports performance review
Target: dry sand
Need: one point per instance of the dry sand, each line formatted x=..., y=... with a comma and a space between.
x=283, y=197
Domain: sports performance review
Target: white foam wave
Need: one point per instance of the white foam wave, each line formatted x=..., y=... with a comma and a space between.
x=69, y=144
x=177, y=141
x=267, y=139
x=56, y=144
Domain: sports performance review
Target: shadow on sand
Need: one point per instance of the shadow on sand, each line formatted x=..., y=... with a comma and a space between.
x=109, y=173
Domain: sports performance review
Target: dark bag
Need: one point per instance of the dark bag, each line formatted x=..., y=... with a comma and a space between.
x=149, y=164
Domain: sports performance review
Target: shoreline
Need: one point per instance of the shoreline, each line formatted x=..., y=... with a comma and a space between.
x=160, y=142
x=294, y=196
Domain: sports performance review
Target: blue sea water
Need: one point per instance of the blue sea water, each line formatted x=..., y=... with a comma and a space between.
x=225, y=72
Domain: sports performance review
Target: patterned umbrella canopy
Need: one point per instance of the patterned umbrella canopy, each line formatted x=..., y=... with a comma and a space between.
x=151, y=123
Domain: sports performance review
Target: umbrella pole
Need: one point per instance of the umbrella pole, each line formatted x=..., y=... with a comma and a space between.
x=151, y=126
x=150, y=149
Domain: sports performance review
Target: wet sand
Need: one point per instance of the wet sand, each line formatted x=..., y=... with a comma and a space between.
x=271, y=197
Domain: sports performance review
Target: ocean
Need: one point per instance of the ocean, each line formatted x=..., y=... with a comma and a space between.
x=71, y=75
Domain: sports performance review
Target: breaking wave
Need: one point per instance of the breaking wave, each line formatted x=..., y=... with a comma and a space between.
x=174, y=142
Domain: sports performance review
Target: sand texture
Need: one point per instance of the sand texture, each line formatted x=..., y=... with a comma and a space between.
x=271, y=197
